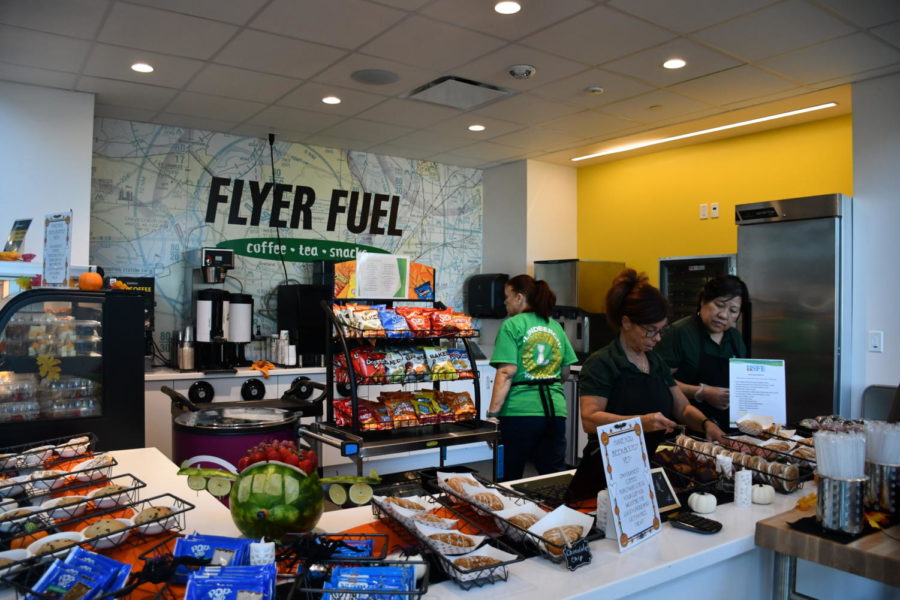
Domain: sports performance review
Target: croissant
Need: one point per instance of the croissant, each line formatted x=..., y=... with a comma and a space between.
x=453, y=539
x=560, y=536
x=458, y=484
x=475, y=562
x=524, y=520
x=409, y=504
x=489, y=500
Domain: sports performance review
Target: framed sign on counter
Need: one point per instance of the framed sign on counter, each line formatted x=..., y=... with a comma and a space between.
x=57, y=249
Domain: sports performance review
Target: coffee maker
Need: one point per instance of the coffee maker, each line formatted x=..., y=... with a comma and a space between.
x=223, y=320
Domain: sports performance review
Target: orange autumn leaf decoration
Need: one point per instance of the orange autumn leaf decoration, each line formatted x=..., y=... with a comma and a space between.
x=806, y=502
x=877, y=520
x=48, y=366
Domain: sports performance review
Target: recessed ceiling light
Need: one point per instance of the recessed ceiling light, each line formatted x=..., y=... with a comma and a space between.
x=594, y=90
x=507, y=8
x=477, y=127
x=331, y=100
x=791, y=113
x=674, y=63
x=142, y=67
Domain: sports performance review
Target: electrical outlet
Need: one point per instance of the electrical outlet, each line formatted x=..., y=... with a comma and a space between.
x=703, y=210
x=876, y=341
x=714, y=210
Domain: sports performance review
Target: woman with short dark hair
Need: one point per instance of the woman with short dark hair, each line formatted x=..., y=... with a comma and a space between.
x=697, y=348
x=532, y=356
x=626, y=379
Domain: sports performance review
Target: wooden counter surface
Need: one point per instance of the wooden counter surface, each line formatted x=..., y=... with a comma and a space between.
x=875, y=556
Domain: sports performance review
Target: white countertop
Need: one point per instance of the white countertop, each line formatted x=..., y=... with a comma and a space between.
x=655, y=562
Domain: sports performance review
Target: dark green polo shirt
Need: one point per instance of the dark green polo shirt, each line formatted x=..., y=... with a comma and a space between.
x=601, y=371
x=681, y=346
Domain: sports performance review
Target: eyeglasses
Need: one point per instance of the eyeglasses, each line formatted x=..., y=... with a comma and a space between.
x=652, y=333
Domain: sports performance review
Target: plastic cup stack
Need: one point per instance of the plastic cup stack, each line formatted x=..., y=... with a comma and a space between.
x=841, y=455
x=882, y=443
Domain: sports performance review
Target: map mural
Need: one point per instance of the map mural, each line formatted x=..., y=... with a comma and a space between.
x=160, y=191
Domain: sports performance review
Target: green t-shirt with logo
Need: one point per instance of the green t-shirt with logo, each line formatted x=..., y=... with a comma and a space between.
x=540, y=349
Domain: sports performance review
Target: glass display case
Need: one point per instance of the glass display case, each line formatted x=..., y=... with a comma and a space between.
x=72, y=361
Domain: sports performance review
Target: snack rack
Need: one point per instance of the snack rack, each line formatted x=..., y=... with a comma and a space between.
x=359, y=444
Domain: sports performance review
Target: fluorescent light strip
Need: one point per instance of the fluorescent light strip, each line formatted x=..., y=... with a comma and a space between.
x=705, y=131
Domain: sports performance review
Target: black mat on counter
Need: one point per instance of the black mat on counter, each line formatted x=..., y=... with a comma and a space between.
x=811, y=526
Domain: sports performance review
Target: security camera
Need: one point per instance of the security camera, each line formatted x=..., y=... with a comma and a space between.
x=522, y=71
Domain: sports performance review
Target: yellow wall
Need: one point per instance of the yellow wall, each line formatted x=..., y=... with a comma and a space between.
x=643, y=208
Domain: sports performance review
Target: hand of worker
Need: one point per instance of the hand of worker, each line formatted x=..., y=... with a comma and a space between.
x=717, y=397
x=712, y=431
x=656, y=422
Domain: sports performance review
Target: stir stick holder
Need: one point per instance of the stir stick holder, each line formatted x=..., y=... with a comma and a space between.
x=840, y=504
x=883, y=491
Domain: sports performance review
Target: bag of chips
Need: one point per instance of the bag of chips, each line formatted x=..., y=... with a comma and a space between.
x=368, y=322
x=395, y=365
x=418, y=319
x=461, y=362
x=426, y=410
x=439, y=363
x=401, y=410
x=341, y=374
x=415, y=364
x=368, y=364
x=445, y=413
x=462, y=325
x=461, y=404
x=393, y=323
x=380, y=419
x=440, y=320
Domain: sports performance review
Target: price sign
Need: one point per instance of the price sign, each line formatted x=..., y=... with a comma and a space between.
x=631, y=491
x=577, y=554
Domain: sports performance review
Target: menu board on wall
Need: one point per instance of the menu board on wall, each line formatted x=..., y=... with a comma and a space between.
x=57, y=248
x=631, y=490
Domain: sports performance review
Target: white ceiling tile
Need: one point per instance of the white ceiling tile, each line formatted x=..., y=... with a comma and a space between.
x=213, y=107
x=430, y=142
x=459, y=124
x=494, y=68
x=688, y=15
x=293, y=119
x=526, y=109
x=33, y=76
x=114, y=62
x=671, y=106
x=410, y=113
x=856, y=77
x=597, y=36
x=866, y=13
x=774, y=30
x=124, y=113
x=481, y=16
x=230, y=11
x=253, y=130
x=366, y=131
x=764, y=99
x=43, y=50
x=277, y=54
x=405, y=4
x=309, y=96
x=240, y=83
x=837, y=58
x=889, y=33
x=734, y=85
x=409, y=77
x=573, y=89
x=124, y=93
x=194, y=122
x=164, y=31
x=489, y=151
x=343, y=23
x=77, y=18
x=431, y=44
x=457, y=160
x=330, y=141
x=587, y=124
x=539, y=138
x=647, y=65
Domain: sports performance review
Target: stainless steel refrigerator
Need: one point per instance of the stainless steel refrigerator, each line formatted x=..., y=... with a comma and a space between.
x=794, y=255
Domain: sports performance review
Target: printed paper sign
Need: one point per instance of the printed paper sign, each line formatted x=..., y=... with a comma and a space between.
x=57, y=248
x=757, y=387
x=631, y=492
x=381, y=275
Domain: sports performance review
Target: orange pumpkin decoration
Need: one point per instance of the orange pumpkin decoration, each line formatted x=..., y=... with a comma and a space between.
x=90, y=281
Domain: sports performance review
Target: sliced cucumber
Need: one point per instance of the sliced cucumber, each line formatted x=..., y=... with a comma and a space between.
x=360, y=493
x=218, y=486
x=196, y=482
x=337, y=494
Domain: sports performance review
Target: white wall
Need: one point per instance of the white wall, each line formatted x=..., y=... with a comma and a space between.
x=45, y=161
x=552, y=212
x=876, y=243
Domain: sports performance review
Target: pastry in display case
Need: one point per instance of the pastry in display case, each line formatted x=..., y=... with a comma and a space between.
x=72, y=360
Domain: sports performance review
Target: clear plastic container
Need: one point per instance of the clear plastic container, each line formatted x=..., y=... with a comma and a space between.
x=28, y=410
x=66, y=387
x=21, y=390
x=68, y=408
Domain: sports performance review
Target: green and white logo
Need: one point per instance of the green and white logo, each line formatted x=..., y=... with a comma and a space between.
x=541, y=354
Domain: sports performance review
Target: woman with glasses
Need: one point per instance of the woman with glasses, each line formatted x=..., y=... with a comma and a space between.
x=627, y=379
x=697, y=347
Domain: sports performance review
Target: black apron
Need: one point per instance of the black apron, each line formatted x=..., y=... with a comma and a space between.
x=543, y=386
x=634, y=394
x=712, y=370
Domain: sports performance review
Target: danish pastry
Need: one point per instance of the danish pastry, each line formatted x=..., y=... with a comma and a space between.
x=453, y=539
x=560, y=536
x=489, y=500
x=475, y=562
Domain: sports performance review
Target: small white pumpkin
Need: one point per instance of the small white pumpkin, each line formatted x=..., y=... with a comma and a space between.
x=762, y=494
x=702, y=502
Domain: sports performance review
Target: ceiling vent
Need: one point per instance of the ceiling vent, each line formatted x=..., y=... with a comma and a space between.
x=457, y=92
